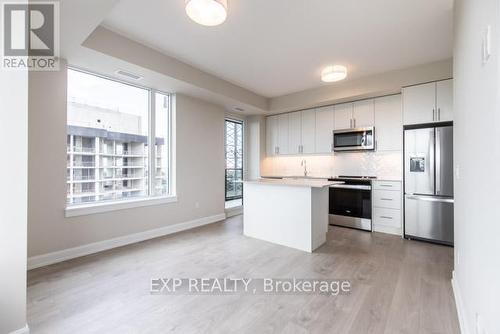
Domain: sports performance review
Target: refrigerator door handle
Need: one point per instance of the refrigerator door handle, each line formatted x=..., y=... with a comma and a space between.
x=438, y=161
x=430, y=198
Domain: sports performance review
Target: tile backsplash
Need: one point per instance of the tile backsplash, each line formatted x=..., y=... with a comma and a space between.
x=382, y=164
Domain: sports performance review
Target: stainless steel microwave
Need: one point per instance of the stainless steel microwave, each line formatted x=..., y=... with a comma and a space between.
x=357, y=139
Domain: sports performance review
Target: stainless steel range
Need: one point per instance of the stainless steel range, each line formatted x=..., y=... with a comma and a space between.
x=351, y=202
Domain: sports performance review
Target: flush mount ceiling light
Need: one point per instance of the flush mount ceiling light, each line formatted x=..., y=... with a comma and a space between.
x=333, y=73
x=207, y=12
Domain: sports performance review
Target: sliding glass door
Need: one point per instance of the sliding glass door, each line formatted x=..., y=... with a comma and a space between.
x=234, y=162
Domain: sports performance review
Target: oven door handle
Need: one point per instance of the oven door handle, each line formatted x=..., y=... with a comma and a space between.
x=351, y=186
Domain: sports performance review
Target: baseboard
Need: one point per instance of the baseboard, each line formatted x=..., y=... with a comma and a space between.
x=24, y=330
x=231, y=212
x=71, y=253
x=460, y=306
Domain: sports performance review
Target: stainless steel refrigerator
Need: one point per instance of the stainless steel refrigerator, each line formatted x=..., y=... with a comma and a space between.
x=428, y=168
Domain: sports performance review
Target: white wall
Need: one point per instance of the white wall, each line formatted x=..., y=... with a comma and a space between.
x=255, y=143
x=367, y=87
x=13, y=199
x=199, y=166
x=477, y=120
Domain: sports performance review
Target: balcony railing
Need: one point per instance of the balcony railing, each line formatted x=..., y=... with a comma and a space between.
x=83, y=191
x=83, y=164
x=83, y=177
x=123, y=153
x=83, y=149
x=132, y=176
x=130, y=164
x=120, y=189
x=234, y=184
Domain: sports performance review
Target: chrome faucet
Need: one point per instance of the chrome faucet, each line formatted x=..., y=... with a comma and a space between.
x=303, y=163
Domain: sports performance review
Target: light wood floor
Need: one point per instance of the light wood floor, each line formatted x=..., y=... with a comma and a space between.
x=398, y=286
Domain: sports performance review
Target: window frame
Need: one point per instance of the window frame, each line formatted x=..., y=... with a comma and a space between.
x=73, y=210
x=242, y=123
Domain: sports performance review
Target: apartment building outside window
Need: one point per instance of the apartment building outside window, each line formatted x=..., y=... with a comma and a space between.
x=118, y=141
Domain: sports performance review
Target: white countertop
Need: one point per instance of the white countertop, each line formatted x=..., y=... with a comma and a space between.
x=311, y=183
x=379, y=178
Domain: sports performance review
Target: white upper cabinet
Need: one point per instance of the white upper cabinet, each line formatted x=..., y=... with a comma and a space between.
x=419, y=103
x=294, y=134
x=444, y=100
x=271, y=135
x=308, y=133
x=352, y=115
x=427, y=103
x=363, y=114
x=343, y=116
x=283, y=133
x=324, y=129
x=302, y=129
x=311, y=131
x=388, y=123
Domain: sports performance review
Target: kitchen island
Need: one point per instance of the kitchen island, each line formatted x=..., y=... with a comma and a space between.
x=288, y=212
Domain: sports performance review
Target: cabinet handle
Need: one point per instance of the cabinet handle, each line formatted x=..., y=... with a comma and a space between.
x=439, y=114
x=433, y=114
x=353, y=122
x=386, y=199
x=277, y=150
x=386, y=185
x=386, y=217
x=331, y=147
x=350, y=123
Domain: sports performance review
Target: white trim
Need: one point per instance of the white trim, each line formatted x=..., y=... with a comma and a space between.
x=100, y=207
x=24, y=330
x=71, y=253
x=231, y=212
x=460, y=305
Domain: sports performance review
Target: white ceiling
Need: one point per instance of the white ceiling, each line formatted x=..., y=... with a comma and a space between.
x=277, y=47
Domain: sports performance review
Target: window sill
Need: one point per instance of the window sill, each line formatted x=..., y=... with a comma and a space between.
x=89, y=209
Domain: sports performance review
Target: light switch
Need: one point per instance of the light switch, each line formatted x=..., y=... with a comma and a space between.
x=486, y=45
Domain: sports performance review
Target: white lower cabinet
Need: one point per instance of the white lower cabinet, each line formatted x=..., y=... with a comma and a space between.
x=387, y=220
x=387, y=199
x=387, y=214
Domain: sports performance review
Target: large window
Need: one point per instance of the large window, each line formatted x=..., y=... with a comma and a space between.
x=118, y=140
x=234, y=162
